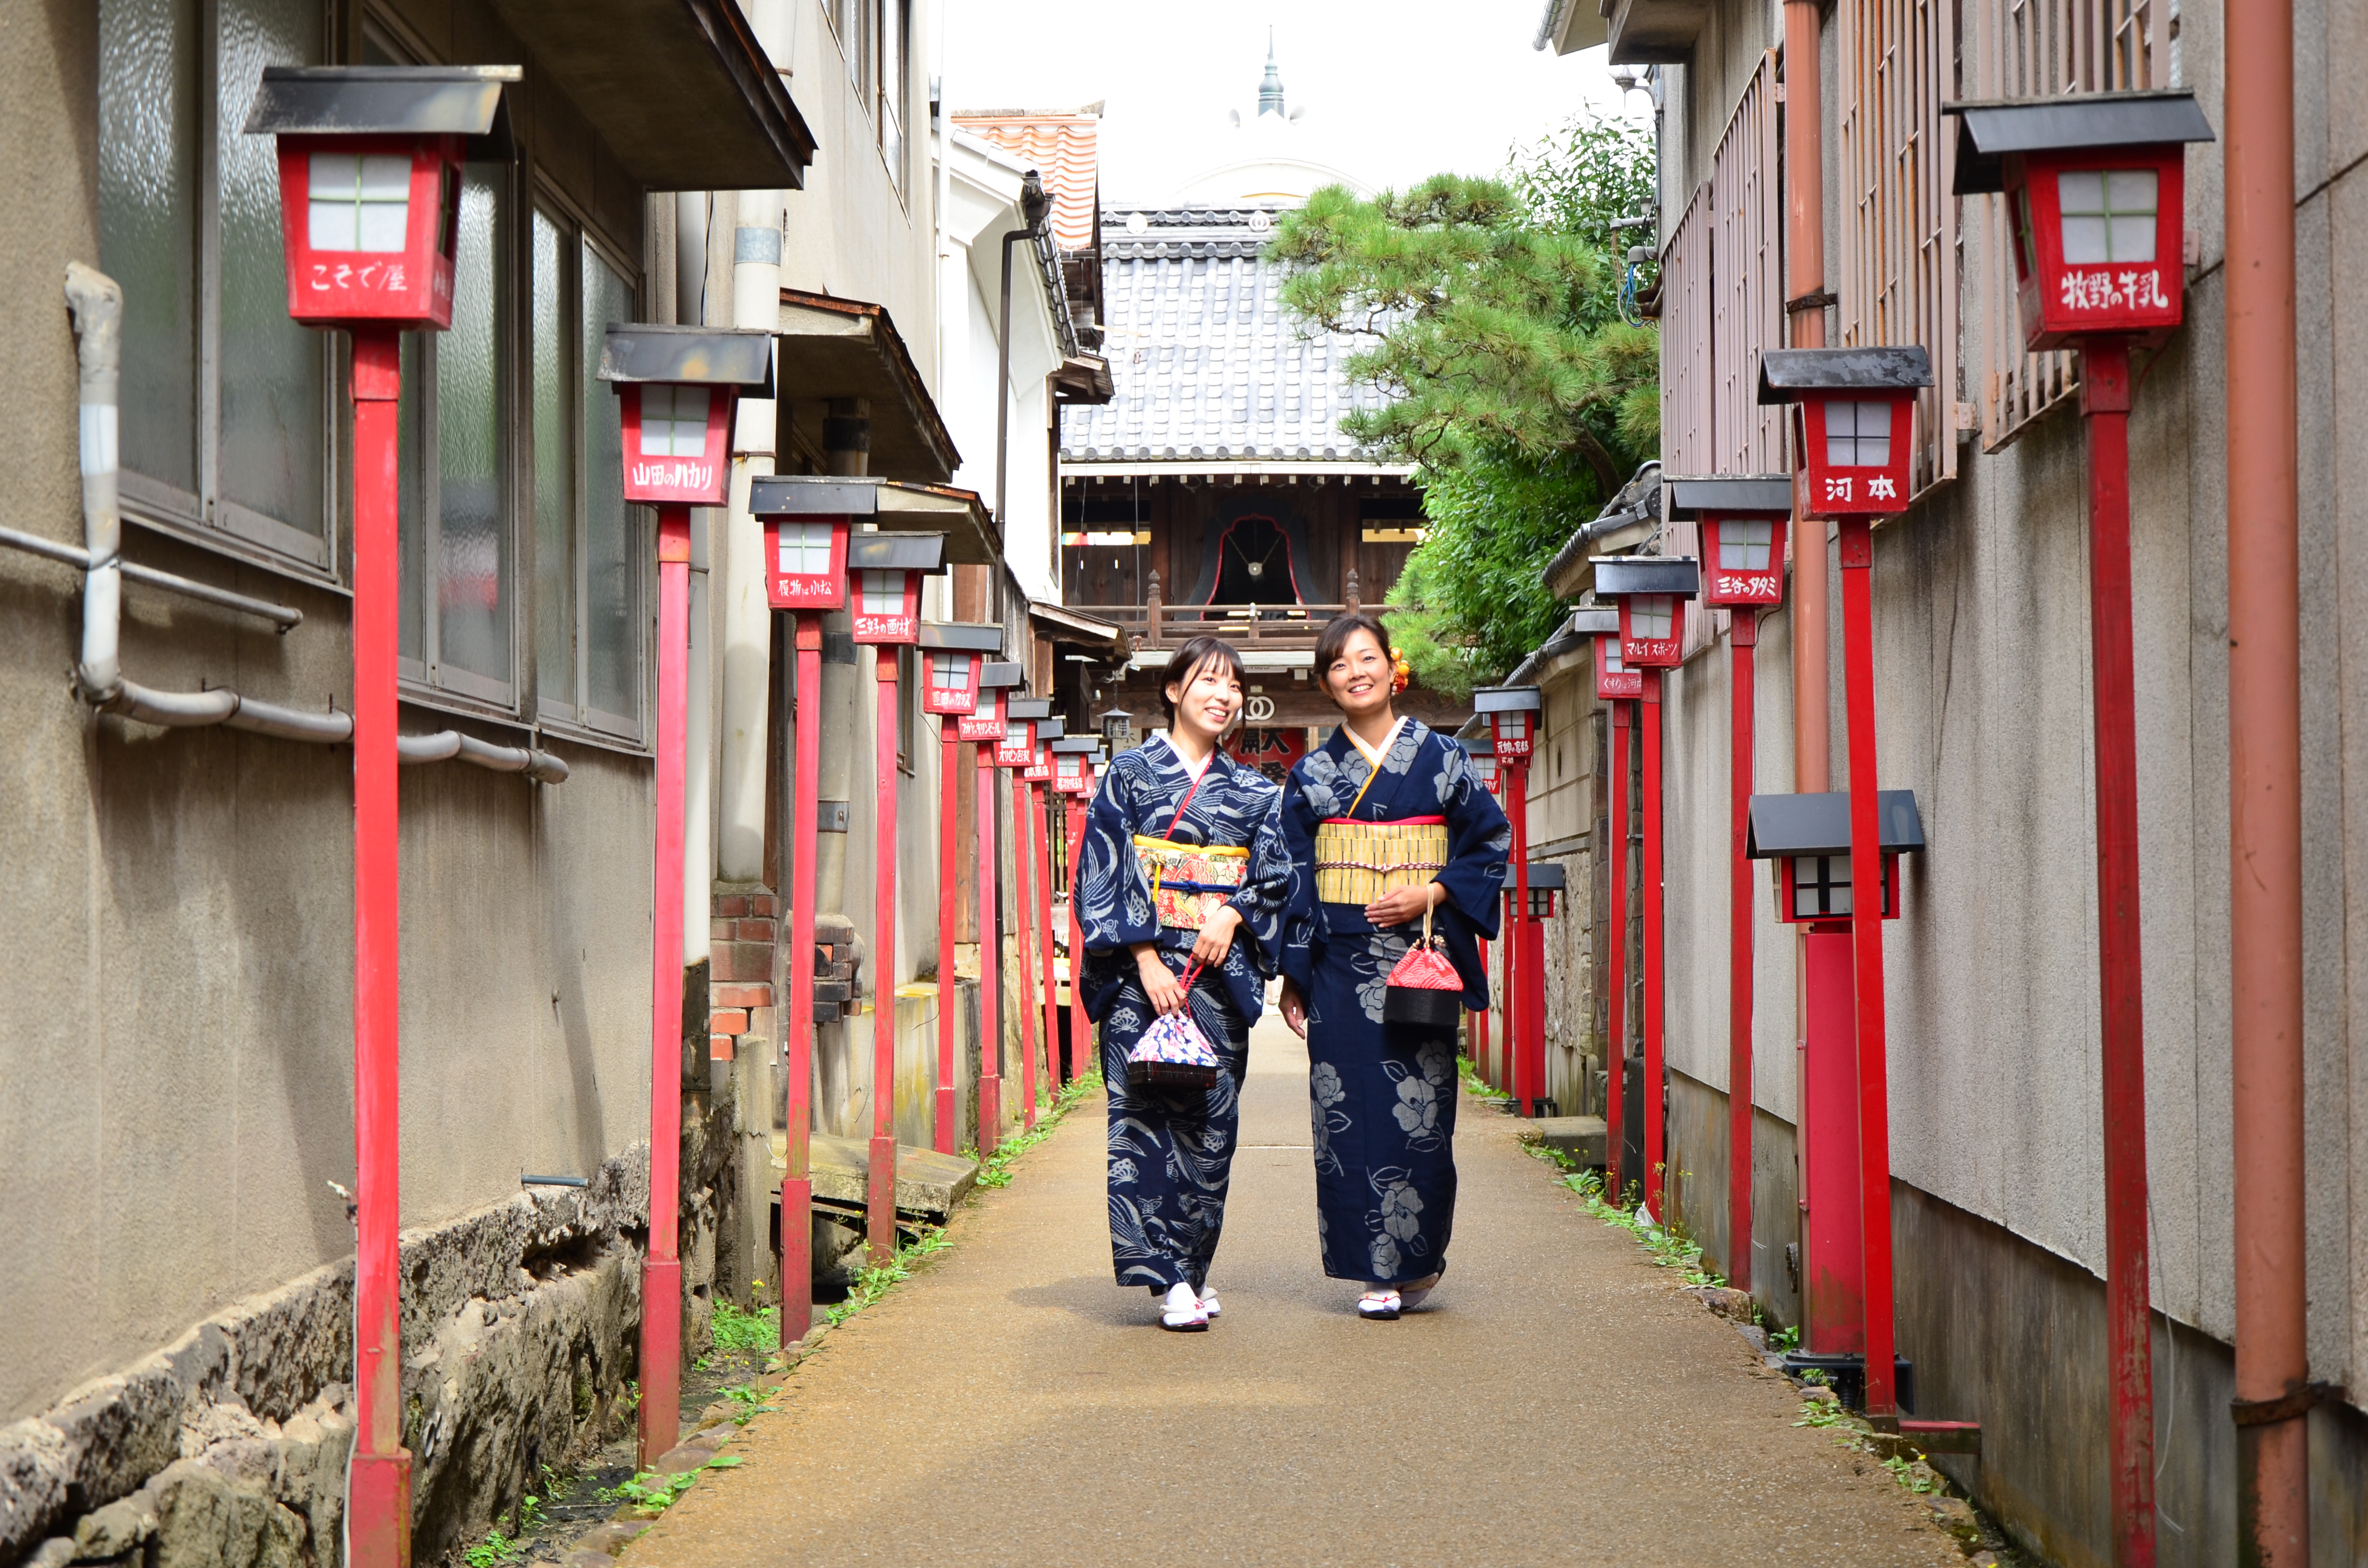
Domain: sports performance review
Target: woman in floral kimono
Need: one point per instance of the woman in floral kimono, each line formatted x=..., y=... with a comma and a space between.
x=1385, y=820
x=1211, y=831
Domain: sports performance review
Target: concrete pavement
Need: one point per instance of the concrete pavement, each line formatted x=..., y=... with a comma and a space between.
x=1557, y=1402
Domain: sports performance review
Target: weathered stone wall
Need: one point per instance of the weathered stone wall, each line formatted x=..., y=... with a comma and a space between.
x=228, y=1447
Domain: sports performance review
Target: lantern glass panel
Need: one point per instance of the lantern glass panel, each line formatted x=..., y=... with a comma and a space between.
x=1612, y=665
x=1649, y=617
x=674, y=422
x=1857, y=435
x=1512, y=726
x=1821, y=887
x=1742, y=547
x=2109, y=214
x=1015, y=732
x=359, y=201
x=950, y=671
x=883, y=592
x=806, y=550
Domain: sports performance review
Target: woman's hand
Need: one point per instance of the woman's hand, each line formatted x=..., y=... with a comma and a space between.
x=1400, y=905
x=1294, y=1008
x=1217, y=937
x=1158, y=983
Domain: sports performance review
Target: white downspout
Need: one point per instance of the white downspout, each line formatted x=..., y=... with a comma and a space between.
x=694, y=210
x=747, y=617
x=96, y=302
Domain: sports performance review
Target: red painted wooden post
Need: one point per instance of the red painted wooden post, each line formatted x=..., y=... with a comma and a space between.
x=990, y=1009
x=1833, y=1272
x=797, y=1031
x=880, y=1169
x=1043, y=827
x=660, y=1412
x=1023, y=925
x=1615, y=988
x=1656, y=1135
x=1479, y=1034
x=946, y=1122
x=1518, y=1023
x=1857, y=552
x=381, y=1503
x=2105, y=400
x=1744, y=634
x=1081, y=1053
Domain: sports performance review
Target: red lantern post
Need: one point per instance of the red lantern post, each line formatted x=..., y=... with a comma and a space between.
x=1651, y=592
x=675, y=387
x=1854, y=421
x=1742, y=523
x=806, y=522
x=955, y=651
x=1511, y=712
x=1037, y=778
x=1618, y=684
x=1073, y=782
x=370, y=187
x=997, y=684
x=2095, y=187
x=885, y=573
x=1017, y=753
x=1484, y=767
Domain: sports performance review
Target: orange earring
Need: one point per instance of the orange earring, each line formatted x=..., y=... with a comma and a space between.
x=1401, y=673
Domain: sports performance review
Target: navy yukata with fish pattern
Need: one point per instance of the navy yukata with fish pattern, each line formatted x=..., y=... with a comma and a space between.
x=1382, y=1098
x=1172, y=1150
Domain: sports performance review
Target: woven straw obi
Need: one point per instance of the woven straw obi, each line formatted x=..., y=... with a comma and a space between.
x=1357, y=862
x=1190, y=881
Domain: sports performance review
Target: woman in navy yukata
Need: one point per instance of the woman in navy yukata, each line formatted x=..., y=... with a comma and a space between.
x=1182, y=864
x=1385, y=820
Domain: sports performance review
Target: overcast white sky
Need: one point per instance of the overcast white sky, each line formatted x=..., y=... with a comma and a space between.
x=1394, y=89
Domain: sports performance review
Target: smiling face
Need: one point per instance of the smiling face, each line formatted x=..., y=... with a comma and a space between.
x=1208, y=700
x=1359, y=677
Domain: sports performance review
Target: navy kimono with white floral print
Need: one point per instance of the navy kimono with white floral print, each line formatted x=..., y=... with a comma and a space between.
x=1383, y=1098
x=1172, y=1150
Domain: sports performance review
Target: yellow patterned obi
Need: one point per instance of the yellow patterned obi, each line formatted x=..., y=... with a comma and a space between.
x=1189, y=882
x=1357, y=862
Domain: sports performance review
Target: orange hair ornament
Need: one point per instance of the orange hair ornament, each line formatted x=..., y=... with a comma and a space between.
x=1401, y=673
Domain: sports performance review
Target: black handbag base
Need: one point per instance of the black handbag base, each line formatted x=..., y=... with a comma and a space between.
x=1170, y=1075
x=1420, y=1009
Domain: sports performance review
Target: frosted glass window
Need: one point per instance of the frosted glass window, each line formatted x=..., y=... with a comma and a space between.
x=1742, y=547
x=674, y=422
x=2109, y=214
x=225, y=419
x=950, y=671
x=1611, y=656
x=473, y=539
x=1015, y=734
x=805, y=549
x=554, y=465
x=1821, y=887
x=1857, y=435
x=883, y=592
x=1649, y=618
x=150, y=110
x=1512, y=726
x=612, y=531
x=357, y=202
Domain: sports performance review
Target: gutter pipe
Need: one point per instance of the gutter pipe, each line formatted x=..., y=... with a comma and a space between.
x=2273, y=1394
x=1804, y=309
x=96, y=302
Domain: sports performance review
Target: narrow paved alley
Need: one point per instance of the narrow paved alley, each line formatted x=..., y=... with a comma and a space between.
x=1558, y=1401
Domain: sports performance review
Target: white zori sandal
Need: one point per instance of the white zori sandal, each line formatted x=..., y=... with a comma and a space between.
x=1209, y=1304
x=1180, y=1311
x=1411, y=1296
x=1379, y=1305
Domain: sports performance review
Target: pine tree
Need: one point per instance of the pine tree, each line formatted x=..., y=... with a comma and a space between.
x=1486, y=312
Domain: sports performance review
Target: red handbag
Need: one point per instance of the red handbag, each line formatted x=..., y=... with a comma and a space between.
x=1424, y=991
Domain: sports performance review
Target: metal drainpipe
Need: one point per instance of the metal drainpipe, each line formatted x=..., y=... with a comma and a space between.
x=1804, y=281
x=1034, y=205
x=96, y=302
x=846, y=448
x=748, y=616
x=2272, y=1396
x=691, y=216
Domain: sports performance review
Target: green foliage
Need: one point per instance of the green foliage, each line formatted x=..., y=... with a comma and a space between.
x=996, y=1169
x=1822, y=1413
x=1474, y=1084
x=1487, y=315
x=492, y=1551
x=882, y=1277
x=736, y=1331
x=650, y=1494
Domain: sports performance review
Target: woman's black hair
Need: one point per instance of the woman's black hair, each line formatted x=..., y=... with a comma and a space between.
x=1334, y=639
x=1196, y=651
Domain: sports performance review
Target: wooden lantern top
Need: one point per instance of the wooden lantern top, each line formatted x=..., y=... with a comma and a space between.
x=1990, y=131
x=1781, y=826
x=388, y=100
x=688, y=356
